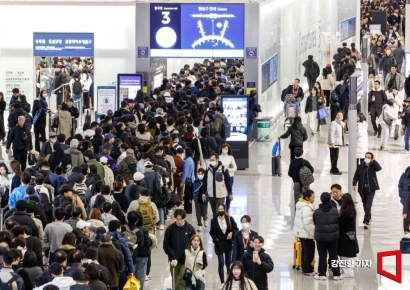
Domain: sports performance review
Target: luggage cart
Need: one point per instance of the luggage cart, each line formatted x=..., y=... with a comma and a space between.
x=292, y=108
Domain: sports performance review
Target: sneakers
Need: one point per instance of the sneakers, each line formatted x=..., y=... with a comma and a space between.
x=336, y=173
x=366, y=226
x=205, y=223
x=148, y=278
x=317, y=277
x=199, y=228
x=340, y=277
x=407, y=235
x=161, y=227
x=405, y=152
x=311, y=274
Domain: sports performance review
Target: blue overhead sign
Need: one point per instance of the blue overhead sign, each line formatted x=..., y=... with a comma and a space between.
x=63, y=44
x=251, y=52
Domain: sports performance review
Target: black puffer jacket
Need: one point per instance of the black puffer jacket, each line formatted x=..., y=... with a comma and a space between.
x=326, y=220
x=258, y=273
x=297, y=134
x=370, y=178
x=380, y=99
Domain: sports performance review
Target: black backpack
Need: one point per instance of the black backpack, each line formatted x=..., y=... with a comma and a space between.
x=283, y=95
x=8, y=285
x=132, y=167
x=77, y=87
x=225, y=129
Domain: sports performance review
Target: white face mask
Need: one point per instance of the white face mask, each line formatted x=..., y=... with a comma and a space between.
x=245, y=226
x=213, y=163
x=224, y=152
x=367, y=160
x=200, y=177
x=44, y=95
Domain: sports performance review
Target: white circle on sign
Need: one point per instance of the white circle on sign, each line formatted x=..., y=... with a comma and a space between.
x=166, y=37
x=251, y=53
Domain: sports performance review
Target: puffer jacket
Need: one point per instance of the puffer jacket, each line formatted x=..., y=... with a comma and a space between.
x=359, y=175
x=336, y=133
x=362, y=139
x=77, y=157
x=303, y=226
x=387, y=113
x=387, y=62
x=404, y=183
x=297, y=134
x=326, y=219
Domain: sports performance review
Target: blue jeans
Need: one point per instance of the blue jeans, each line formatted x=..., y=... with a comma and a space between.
x=161, y=215
x=76, y=97
x=199, y=285
x=406, y=138
x=228, y=201
x=140, y=269
x=228, y=260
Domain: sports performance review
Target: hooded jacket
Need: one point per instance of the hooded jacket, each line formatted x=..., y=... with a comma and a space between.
x=258, y=273
x=371, y=177
x=125, y=163
x=63, y=283
x=387, y=62
x=326, y=220
x=362, y=139
x=303, y=226
x=77, y=157
x=297, y=134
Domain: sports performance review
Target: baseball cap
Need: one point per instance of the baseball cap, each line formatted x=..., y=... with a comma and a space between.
x=104, y=160
x=109, y=136
x=148, y=164
x=81, y=224
x=30, y=189
x=138, y=176
x=52, y=134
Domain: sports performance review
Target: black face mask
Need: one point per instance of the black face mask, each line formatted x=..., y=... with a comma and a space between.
x=221, y=213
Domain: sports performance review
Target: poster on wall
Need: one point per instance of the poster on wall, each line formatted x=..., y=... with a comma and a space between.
x=128, y=86
x=63, y=44
x=106, y=96
x=236, y=111
x=269, y=72
x=347, y=28
x=20, y=78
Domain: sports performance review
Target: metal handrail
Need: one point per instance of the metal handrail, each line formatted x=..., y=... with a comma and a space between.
x=60, y=87
x=2, y=210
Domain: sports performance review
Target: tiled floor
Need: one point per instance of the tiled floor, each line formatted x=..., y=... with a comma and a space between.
x=268, y=200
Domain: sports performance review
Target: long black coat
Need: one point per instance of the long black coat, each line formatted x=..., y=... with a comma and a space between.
x=380, y=99
x=347, y=247
x=371, y=176
x=223, y=245
x=312, y=69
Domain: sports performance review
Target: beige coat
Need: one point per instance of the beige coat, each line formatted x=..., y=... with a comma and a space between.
x=64, y=123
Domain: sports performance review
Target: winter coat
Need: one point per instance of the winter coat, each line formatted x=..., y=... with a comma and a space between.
x=239, y=248
x=335, y=135
x=406, y=117
x=77, y=157
x=297, y=134
x=217, y=181
x=346, y=68
x=326, y=219
x=371, y=176
x=112, y=259
x=222, y=244
x=64, y=123
x=24, y=219
x=176, y=239
x=338, y=59
x=258, y=273
x=327, y=83
x=387, y=113
x=193, y=257
x=303, y=226
x=295, y=166
x=347, y=247
x=21, y=139
x=312, y=69
x=378, y=51
x=397, y=105
x=249, y=285
x=125, y=163
x=362, y=139
x=404, y=185
x=208, y=146
x=217, y=128
x=299, y=95
x=387, y=62
x=100, y=168
x=125, y=250
x=380, y=98
x=399, y=81
x=399, y=54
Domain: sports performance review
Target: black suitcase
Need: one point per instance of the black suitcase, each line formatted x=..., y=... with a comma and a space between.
x=405, y=245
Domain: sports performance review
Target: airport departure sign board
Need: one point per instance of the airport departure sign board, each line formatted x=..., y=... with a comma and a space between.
x=197, y=30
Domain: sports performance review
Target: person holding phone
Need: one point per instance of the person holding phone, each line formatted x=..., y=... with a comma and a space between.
x=258, y=264
x=366, y=176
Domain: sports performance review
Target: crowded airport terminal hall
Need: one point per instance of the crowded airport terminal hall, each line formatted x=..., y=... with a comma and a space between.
x=204, y=145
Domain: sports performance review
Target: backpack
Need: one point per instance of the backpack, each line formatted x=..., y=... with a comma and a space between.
x=283, y=95
x=28, y=122
x=66, y=162
x=8, y=285
x=131, y=237
x=147, y=212
x=306, y=176
x=80, y=188
x=132, y=167
x=77, y=87
x=225, y=129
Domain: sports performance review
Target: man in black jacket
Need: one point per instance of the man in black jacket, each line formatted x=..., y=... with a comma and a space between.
x=59, y=80
x=326, y=220
x=294, y=169
x=377, y=98
x=312, y=71
x=20, y=136
x=23, y=218
x=32, y=243
x=176, y=240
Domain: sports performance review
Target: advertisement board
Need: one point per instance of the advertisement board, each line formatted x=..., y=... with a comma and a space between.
x=269, y=72
x=106, y=96
x=199, y=30
x=127, y=86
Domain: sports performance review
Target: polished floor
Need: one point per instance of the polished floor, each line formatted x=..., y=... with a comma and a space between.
x=269, y=201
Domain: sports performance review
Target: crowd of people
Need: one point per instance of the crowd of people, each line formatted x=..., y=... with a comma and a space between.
x=85, y=204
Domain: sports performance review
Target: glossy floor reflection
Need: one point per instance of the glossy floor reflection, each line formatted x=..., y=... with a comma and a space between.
x=269, y=201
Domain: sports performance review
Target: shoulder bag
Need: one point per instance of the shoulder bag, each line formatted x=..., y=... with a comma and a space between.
x=188, y=272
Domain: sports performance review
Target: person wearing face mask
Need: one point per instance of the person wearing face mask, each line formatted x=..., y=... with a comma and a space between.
x=217, y=183
x=366, y=178
x=238, y=279
x=386, y=120
x=223, y=228
x=243, y=239
x=39, y=124
x=228, y=161
x=47, y=147
x=386, y=62
x=258, y=264
x=201, y=200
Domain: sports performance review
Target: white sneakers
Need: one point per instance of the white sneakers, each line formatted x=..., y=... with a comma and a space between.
x=407, y=235
x=161, y=227
x=317, y=277
x=199, y=229
x=340, y=277
x=148, y=278
x=405, y=152
x=205, y=223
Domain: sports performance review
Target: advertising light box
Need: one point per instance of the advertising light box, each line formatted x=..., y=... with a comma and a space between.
x=197, y=30
x=128, y=85
x=236, y=111
x=269, y=72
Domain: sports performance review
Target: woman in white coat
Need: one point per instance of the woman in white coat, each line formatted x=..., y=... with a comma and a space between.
x=362, y=138
x=328, y=83
x=304, y=229
x=386, y=120
x=398, y=98
x=228, y=161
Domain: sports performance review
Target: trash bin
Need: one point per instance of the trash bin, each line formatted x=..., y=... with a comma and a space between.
x=265, y=128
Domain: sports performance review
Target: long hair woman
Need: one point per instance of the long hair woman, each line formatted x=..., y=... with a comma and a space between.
x=64, y=121
x=348, y=246
x=328, y=82
x=39, y=124
x=237, y=279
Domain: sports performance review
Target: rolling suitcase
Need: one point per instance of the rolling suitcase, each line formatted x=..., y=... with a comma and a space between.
x=276, y=160
x=297, y=254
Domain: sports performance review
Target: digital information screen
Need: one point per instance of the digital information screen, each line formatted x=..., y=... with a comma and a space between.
x=128, y=85
x=197, y=30
x=269, y=72
x=236, y=111
x=347, y=28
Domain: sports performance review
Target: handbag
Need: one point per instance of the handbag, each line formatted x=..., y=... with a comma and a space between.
x=351, y=235
x=188, y=272
x=31, y=159
x=322, y=113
